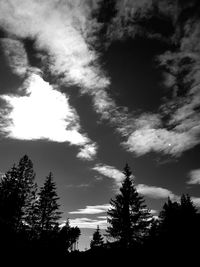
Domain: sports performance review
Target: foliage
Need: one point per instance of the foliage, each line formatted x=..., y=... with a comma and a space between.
x=48, y=207
x=97, y=239
x=128, y=217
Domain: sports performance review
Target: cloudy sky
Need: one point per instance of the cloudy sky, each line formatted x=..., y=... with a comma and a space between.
x=88, y=85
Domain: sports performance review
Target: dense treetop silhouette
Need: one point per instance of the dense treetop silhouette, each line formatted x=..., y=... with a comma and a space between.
x=30, y=221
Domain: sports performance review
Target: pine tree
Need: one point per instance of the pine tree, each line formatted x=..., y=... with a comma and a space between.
x=28, y=190
x=68, y=236
x=48, y=206
x=17, y=194
x=128, y=217
x=179, y=221
x=97, y=239
x=10, y=200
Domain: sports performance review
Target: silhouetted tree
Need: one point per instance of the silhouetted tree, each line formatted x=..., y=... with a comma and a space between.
x=10, y=201
x=128, y=218
x=179, y=223
x=97, y=239
x=28, y=190
x=68, y=236
x=17, y=194
x=48, y=207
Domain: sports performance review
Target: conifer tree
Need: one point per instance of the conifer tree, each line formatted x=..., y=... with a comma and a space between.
x=128, y=217
x=10, y=200
x=48, y=206
x=28, y=190
x=17, y=194
x=68, y=236
x=97, y=239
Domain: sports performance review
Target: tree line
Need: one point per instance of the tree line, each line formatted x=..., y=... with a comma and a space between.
x=30, y=216
x=30, y=219
x=132, y=227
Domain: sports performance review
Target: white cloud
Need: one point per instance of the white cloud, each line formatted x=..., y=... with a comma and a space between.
x=110, y=172
x=88, y=223
x=42, y=113
x=142, y=141
x=16, y=55
x=154, y=191
x=196, y=201
x=194, y=176
x=92, y=209
x=64, y=30
x=88, y=152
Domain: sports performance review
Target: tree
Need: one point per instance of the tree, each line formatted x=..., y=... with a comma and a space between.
x=9, y=198
x=179, y=221
x=97, y=239
x=68, y=236
x=48, y=206
x=128, y=218
x=28, y=191
x=17, y=194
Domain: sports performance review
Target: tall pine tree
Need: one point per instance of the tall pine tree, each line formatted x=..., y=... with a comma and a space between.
x=128, y=217
x=48, y=207
x=17, y=194
x=10, y=200
x=28, y=190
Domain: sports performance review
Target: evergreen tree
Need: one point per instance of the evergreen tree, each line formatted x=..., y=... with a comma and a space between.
x=28, y=190
x=48, y=206
x=128, y=217
x=10, y=201
x=68, y=236
x=97, y=239
x=17, y=194
x=179, y=221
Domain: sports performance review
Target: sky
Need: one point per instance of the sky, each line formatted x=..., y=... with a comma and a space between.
x=87, y=86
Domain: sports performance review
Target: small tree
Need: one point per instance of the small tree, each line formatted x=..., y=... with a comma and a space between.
x=68, y=236
x=97, y=239
x=48, y=207
x=128, y=218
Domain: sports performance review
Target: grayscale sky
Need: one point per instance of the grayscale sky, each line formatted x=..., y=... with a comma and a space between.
x=88, y=85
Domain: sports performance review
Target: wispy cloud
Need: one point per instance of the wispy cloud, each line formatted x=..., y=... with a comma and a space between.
x=196, y=201
x=180, y=132
x=88, y=152
x=110, y=172
x=43, y=113
x=64, y=30
x=96, y=209
x=142, y=141
x=154, y=192
x=88, y=223
x=66, y=33
x=16, y=55
x=194, y=177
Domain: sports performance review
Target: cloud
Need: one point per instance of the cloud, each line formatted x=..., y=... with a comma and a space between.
x=88, y=223
x=196, y=201
x=88, y=152
x=42, y=113
x=15, y=54
x=110, y=172
x=154, y=191
x=92, y=209
x=142, y=141
x=64, y=30
x=194, y=176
